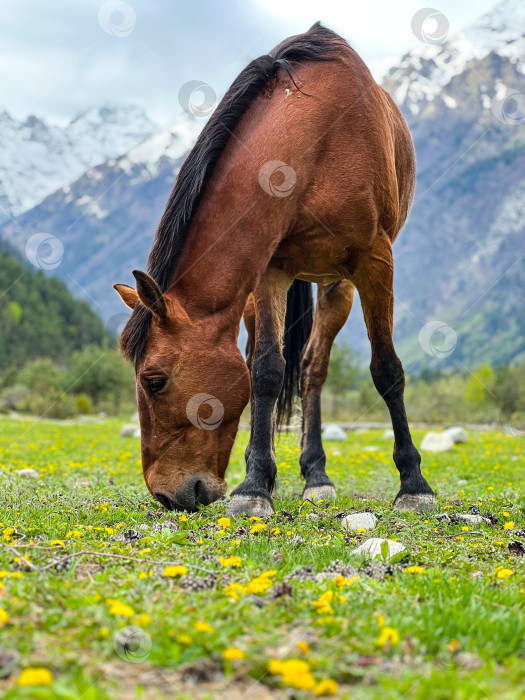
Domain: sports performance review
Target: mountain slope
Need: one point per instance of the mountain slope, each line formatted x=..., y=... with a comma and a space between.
x=105, y=220
x=421, y=74
x=36, y=158
x=40, y=318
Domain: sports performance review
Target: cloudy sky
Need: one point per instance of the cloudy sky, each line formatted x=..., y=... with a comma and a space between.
x=59, y=57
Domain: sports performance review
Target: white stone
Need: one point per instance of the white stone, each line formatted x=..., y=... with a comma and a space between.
x=333, y=432
x=472, y=519
x=27, y=473
x=128, y=430
x=372, y=548
x=359, y=521
x=388, y=434
x=457, y=433
x=136, y=433
x=370, y=448
x=437, y=442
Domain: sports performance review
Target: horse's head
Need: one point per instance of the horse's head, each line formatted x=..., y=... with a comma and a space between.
x=192, y=386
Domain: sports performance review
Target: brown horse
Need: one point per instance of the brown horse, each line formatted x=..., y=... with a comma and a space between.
x=304, y=173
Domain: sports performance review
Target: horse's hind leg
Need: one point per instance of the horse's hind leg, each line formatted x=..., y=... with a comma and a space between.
x=334, y=303
x=374, y=282
x=253, y=496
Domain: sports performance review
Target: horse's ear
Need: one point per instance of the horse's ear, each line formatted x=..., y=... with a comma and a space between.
x=128, y=295
x=150, y=294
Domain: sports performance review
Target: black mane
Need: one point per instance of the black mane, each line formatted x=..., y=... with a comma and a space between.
x=317, y=44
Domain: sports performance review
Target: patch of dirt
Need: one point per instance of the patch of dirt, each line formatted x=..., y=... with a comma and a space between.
x=516, y=548
x=202, y=679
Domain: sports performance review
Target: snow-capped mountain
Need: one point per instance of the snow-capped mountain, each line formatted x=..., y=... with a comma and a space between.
x=37, y=158
x=422, y=73
x=106, y=219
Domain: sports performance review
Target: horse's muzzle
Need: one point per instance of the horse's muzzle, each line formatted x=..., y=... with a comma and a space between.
x=195, y=491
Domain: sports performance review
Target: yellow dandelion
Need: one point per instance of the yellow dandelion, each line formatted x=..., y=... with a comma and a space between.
x=176, y=570
x=508, y=525
x=4, y=617
x=294, y=673
x=258, y=527
x=232, y=653
x=224, y=523
x=142, y=620
x=202, y=626
x=56, y=543
x=184, y=638
x=326, y=688
x=414, y=570
x=35, y=677
x=230, y=561
x=303, y=646
x=505, y=573
x=120, y=609
x=389, y=636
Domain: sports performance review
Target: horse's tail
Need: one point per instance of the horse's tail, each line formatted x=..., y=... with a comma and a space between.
x=297, y=329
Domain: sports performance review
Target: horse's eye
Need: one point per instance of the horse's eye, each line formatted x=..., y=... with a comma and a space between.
x=155, y=384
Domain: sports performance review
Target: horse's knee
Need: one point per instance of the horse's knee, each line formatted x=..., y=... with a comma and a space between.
x=268, y=373
x=387, y=373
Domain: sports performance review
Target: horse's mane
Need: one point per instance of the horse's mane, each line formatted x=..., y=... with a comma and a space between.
x=317, y=44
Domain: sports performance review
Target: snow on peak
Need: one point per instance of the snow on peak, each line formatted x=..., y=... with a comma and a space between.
x=172, y=142
x=37, y=158
x=422, y=73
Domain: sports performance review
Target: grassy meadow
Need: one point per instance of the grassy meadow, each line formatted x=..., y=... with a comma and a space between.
x=104, y=594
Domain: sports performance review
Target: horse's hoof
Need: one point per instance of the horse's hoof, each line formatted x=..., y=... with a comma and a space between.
x=415, y=501
x=316, y=493
x=252, y=506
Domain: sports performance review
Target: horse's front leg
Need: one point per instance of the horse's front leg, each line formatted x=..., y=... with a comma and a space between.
x=253, y=496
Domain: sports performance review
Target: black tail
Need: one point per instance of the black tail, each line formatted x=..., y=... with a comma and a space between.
x=297, y=329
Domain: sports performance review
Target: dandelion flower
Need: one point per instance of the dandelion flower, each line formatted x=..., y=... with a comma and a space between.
x=294, y=673
x=4, y=617
x=505, y=573
x=120, y=609
x=326, y=688
x=176, y=570
x=224, y=523
x=258, y=527
x=233, y=653
x=508, y=525
x=414, y=570
x=35, y=676
x=388, y=635
x=230, y=561
x=202, y=626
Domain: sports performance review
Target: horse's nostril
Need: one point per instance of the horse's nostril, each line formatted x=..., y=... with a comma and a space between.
x=161, y=498
x=201, y=493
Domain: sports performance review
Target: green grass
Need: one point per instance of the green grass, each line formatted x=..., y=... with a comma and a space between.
x=456, y=629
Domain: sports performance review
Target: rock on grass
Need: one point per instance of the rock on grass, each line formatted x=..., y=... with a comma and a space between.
x=359, y=521
x=372, y=548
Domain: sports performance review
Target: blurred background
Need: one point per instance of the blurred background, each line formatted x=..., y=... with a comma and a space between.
x=101, y=102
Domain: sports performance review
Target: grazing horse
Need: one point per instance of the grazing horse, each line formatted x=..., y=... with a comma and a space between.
x=304, y=173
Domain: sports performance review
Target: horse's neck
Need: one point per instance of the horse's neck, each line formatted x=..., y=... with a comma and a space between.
x=221, y=264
